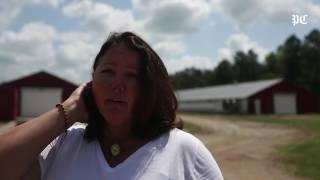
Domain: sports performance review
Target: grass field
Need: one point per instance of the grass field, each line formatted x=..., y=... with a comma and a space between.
x=191, y=128
x=303, y=155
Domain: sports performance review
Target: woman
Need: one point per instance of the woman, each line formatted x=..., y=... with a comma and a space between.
x=130, y=110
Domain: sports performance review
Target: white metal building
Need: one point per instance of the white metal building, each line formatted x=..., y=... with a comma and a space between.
x=274, y=96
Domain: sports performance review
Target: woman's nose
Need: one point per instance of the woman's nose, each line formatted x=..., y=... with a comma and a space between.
x=118, y=85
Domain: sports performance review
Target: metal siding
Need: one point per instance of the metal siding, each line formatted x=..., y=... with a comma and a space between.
x=40, y=79
x=243, y=105
x=263, y=90
x=257, y=106
x=7, y=104
x=229, y=91
x=37, y=100
x=306, y=102
x=16, y=104
x=284, y=103
x=209, y=106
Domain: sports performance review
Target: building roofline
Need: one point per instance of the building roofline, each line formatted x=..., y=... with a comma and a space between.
x=217, y=91
x=34, y=74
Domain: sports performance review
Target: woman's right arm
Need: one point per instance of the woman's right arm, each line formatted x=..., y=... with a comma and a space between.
x=21, y=146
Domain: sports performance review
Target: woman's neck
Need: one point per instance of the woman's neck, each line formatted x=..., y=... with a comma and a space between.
x=127, y=145
x=121, y=137
x=116, y=134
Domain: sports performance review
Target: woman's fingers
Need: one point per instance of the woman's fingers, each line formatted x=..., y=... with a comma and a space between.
x=79, y=90
x=75, y=105
x=82, y=108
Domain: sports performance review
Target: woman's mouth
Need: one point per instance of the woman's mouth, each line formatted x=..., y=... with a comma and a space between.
x=116, y=103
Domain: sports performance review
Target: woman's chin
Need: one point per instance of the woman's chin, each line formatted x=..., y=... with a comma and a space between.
x=116, y=119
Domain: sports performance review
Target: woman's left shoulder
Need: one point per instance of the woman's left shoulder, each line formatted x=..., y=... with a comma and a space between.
x=184, y=139
x=198, y=156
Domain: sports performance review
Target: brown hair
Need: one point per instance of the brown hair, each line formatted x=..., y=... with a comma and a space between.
x=155, y=110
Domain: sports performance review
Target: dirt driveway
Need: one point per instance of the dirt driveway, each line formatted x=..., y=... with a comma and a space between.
x=246, y=150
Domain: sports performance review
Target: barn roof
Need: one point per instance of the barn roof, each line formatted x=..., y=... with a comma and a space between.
x=42, y=77
x=229, y=91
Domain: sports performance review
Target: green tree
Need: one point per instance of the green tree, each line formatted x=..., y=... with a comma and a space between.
x=246, y=66
x=294, y=60
x=271, y=66
x=311, y=61
x=188, y=78
x=223, y=73
x=290, y=57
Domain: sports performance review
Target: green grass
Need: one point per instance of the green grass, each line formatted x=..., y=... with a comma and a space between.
x=193, y=129
x=304, y=156
x=307, y=123
x=304, y=122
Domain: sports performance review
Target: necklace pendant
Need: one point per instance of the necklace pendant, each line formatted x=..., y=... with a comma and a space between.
x=115, y=149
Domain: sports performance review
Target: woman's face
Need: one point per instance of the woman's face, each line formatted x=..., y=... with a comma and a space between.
x=116, y=84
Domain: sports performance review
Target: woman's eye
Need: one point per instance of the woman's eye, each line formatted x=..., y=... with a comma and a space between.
x=107, y=71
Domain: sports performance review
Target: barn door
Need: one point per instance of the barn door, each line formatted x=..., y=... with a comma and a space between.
x=37, y=100
x=257, y=106
x=284, y=103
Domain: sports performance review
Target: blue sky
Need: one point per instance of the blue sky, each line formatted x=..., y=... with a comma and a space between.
x=63, y=36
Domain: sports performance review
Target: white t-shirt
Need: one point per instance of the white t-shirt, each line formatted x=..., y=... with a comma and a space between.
x=176, y=155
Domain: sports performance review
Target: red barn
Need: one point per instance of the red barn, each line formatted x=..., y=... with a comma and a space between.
x=275, y=96
x=32, y=95
x=284, y=97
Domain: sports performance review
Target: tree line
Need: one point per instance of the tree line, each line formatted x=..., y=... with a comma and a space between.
x=295, y=60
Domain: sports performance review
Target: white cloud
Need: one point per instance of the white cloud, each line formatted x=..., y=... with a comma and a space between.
x=75, y=55
x=100, y=17
x=247, y=12
x=74, y=75
x=8, y=12
x=241, y=42
x=11, y=9
x=53, y=3
x=170, y=48
x=34, y=43
x=76, y=9
x=27, y=50
x=77, y=52
x=162, y=19
x=187, y=61
x=173, y=17
x=39, y=46
x=74, y=36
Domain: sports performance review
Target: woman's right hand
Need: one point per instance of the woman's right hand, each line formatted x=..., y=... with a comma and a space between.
x=75, y=106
